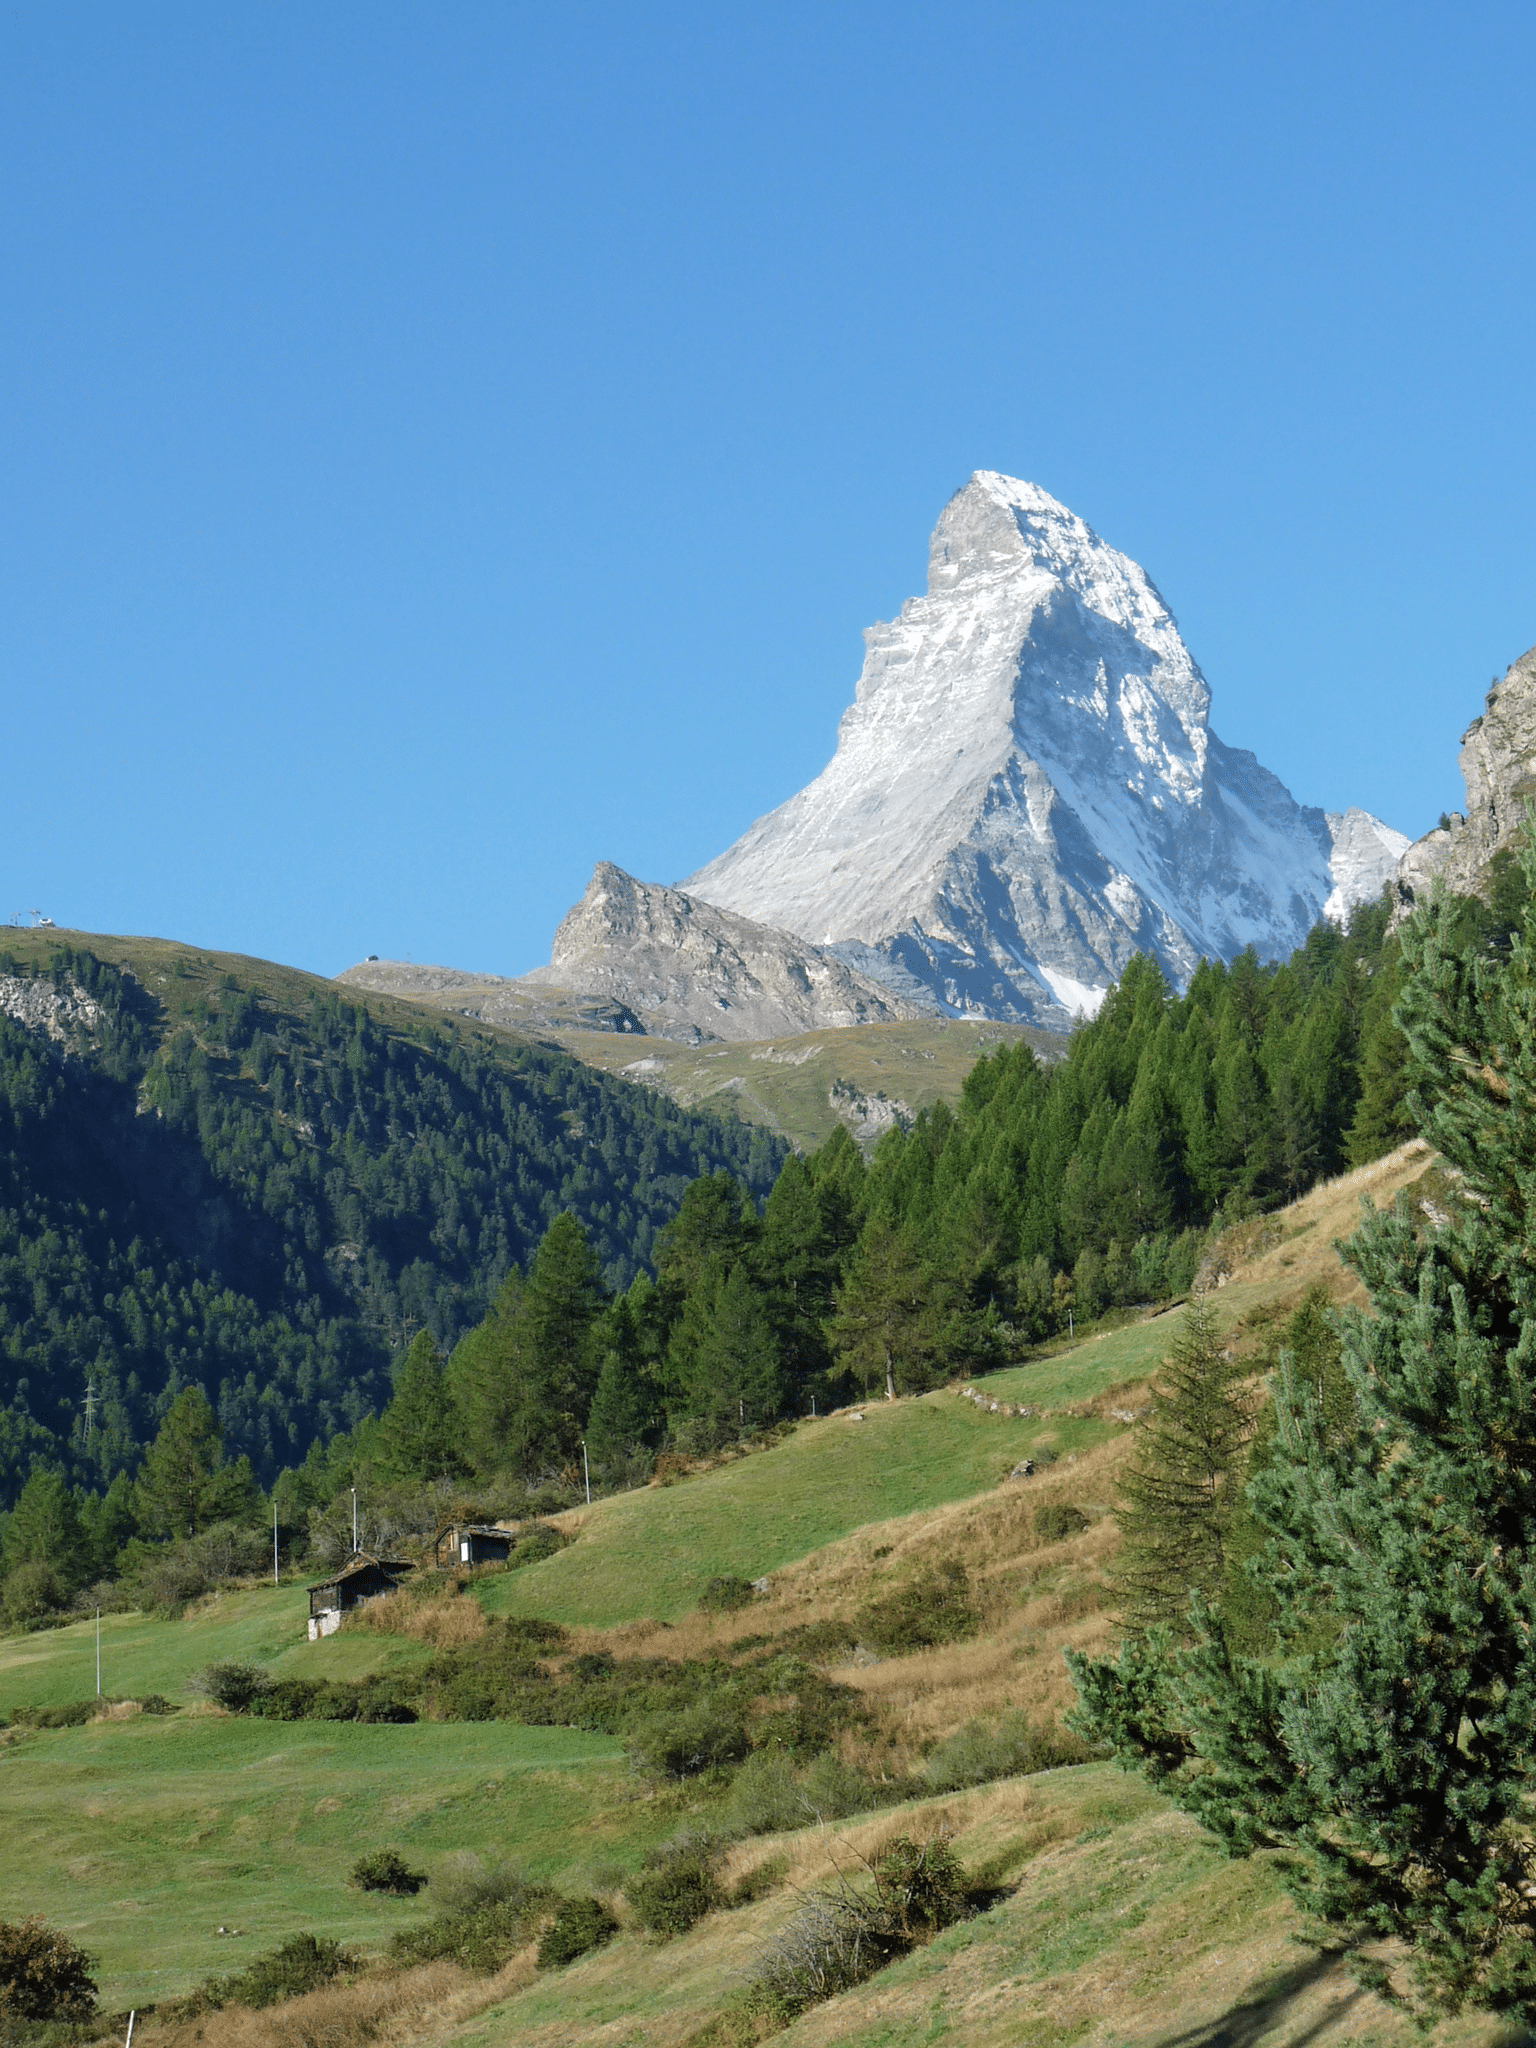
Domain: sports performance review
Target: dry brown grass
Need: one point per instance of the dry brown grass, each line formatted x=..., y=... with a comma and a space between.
x=383, y=2007
x=444, y=1619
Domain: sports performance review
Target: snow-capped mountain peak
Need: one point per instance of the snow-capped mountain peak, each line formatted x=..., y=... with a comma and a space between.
x=1026, y=790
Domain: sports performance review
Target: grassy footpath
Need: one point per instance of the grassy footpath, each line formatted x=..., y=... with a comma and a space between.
x=142, y=1837
x=651, y=1552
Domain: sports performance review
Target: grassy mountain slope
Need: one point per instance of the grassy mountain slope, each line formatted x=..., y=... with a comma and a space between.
x=214, y=1169
x=1117, y=1923
x=801, y=1087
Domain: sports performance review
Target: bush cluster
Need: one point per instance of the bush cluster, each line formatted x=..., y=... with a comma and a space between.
x=580, y=1926
x=930, y=1610
x=676, y=1887
x=43, y=1976
x=386, y=1870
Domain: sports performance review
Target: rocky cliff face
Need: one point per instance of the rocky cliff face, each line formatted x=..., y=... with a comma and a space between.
x=1498, y=765
x=1026, y=791
x=689, y=970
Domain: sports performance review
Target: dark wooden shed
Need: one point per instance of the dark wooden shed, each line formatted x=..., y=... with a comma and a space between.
x=473, y=1543
x=361, y=1578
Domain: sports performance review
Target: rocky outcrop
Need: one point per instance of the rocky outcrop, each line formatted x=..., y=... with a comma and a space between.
x=1498, y=766
x=491, y=998
x=1026, y=790
x=689, y=970
x=58, y=1013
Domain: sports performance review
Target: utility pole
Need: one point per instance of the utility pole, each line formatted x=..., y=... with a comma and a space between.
x=354, y=1521
x=274, y=1539
x=586, y=1471
x=90, y=1408
x=98, y=1653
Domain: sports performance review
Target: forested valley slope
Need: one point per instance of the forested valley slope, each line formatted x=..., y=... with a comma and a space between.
x=220, y=1173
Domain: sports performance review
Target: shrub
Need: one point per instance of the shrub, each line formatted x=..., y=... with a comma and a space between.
x=156, y=1703
x=74, y=1715
x=385, y=1870
x=978, y=1753
x=926, y=1612
x=759, y=1881
x=919, y=1887
x=303, y=1963
x=833, y=1789
x=702, y=1737
x=469, y=1884
x=483, y=1939
x=43, y=1976
x=231, y=1684
x=725, y=1596
x=1058, y=1520
x=675, y=1889
x=838, y=1939
x=766, y=1798
x=32, y=1591
x=579, y=1926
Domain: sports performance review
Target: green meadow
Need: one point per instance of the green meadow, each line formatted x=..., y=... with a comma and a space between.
x=142, y=1837
x=652, y=1552
x=142, y=1654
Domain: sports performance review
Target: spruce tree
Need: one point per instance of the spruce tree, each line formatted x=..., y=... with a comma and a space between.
x=1388, y=1745
x=1179, y=1499
x=418, y=1435
x=623, y=1404
x=184, y=1485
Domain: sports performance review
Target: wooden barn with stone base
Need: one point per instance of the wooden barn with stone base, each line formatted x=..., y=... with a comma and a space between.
x=361, y=1578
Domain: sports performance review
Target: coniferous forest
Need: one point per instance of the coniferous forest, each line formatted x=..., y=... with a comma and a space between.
x=292, y=1249
x=267, y=1202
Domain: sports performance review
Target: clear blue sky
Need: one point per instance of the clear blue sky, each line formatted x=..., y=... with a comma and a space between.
x=445, y=446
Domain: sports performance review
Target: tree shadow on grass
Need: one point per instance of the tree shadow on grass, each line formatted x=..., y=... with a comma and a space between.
x=1265, y=2015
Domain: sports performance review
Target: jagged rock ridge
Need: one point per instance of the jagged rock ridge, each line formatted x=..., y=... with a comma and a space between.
x=1498, y=766
x=689, y=970
x=1026, y=790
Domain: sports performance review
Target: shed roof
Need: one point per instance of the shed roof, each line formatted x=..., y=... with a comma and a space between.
x=363, y=1561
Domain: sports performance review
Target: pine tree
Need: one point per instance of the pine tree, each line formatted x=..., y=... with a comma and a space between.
x=563, y=1298
x=44, y=1529
x=178, y=1490
x=1389, y=1745
x=888, y=1330
x=1178, y=1499
x=418, y=1436
x=623, y=1404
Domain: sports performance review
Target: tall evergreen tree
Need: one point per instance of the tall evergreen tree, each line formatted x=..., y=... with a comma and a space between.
x=1178, y=1499
x=888, y=1330
x=1393, y=1759
x=623, y=1405
x=184, y=1484
x=44, y=1529
x=419, y=1434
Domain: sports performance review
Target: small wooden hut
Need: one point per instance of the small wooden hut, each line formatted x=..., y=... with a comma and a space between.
x=361, y=1578
x=473, y=1543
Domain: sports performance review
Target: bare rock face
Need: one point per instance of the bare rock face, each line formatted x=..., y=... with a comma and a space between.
x=1498, y=765
x=491, y=998
x=690, y=971
x=1026, y=790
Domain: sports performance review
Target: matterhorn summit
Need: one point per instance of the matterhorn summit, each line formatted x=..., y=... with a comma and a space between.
x=1026, y=791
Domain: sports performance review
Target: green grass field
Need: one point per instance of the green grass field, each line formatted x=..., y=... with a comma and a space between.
x=141, y=1654
x=651, y=1552
x=142, y=1837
